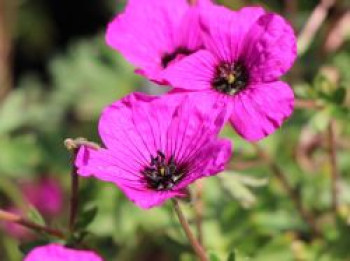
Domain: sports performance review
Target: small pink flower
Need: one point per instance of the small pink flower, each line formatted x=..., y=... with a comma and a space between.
x=154, y=34
x=246, y=54
x=46, y=195
x=155, y=147
x=56, y=252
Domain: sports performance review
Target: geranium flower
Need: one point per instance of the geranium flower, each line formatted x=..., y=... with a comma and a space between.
x=56, y=252
x=246, y=53
x=154, y=34
x=46, y=195
x=155, y=147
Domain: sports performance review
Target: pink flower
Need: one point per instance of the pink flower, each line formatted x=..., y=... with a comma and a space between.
x=246, y=53
x=56, y=252
x=154, y=34
x=46, y=195
x=155, y=147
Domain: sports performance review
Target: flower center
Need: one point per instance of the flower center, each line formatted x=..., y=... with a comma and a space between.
x=162, y=174
x=178, y=54
x=230, y=78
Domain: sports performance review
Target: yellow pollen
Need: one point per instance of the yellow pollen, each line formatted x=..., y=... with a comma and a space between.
x=231, y=78
x=162, y=171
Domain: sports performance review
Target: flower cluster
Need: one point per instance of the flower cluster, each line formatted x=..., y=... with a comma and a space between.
x=223, y=65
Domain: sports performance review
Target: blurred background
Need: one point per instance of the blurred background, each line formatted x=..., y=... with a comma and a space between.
x=285, y=198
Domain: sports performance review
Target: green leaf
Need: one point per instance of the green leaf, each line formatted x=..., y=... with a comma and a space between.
x=86, y=217
x=213, y=257
x=253, y=182
x=237, y=189
x=35, y=216
x=231, y=256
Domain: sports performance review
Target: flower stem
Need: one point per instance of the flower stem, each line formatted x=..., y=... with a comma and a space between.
x=73, y=145
x=195, y=244
x=74, y=200
x=334, y=168
x=10, y=217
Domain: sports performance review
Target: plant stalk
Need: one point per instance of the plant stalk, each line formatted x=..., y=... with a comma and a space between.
x=195, y=244
x=74, y=200
x=10, y=217
x=73, y=145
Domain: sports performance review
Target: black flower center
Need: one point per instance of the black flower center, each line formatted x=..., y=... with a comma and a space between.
x=230, y=78
x=179, y=52
x=162, y=174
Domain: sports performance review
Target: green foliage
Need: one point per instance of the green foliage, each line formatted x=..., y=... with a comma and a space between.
x=35, y=216
x=86, y=217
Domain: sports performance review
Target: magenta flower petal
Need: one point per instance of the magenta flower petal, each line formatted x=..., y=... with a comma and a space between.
x=155, y=147
x=269, y=48
x=188, y=32
x=193, y=72
x=56, y=252
x=261, y=109
x=145, y=29
x=212, y=158
x=153, y=34
x=224, y=30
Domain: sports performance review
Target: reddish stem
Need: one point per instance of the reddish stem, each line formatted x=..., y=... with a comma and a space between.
x=10, y=217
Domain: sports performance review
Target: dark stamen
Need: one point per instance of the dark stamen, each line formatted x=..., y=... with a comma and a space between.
x=169, y=57
x=162, y=174
x=230, y=78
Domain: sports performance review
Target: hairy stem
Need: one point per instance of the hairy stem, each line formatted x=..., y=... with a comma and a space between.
x=195, y=244
x=73, y=145
x=292, y=193
x=334, y=168
x=10, y=217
